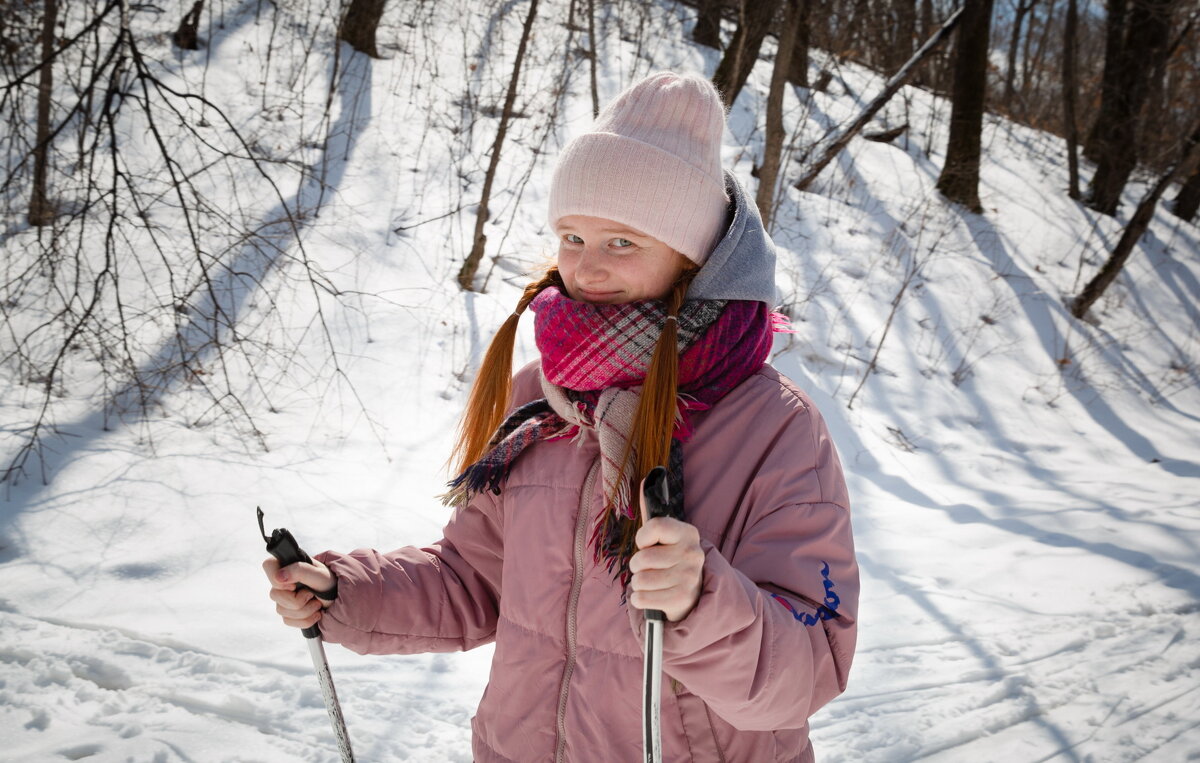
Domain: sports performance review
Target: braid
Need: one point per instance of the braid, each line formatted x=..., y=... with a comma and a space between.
x=654, y=422
x=489, y=398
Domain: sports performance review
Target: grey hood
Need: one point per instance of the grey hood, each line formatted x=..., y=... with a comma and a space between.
x=742, y=266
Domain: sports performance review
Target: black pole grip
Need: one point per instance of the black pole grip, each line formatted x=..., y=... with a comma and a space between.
x=658, y=499
x=283, y=546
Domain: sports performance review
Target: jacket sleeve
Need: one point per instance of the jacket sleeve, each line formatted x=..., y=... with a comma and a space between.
x=772, y=635
x=440, y=598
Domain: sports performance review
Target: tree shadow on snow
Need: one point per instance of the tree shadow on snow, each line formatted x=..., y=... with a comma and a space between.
x=234, y=287
x=1046, y=311
x=861, y=463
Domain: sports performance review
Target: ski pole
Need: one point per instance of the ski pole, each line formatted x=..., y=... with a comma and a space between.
x=284, y=547
x=657, y=499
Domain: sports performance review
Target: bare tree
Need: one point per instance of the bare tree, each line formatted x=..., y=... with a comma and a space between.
x=151, y=282
x=1022, y=10
x=754, y=21
x=592, y=56
x=1133, y=232
x=1187, y=201
x=41, y=209
x=466, y=274
x=359, y=25
x=1070, y=89
x=707, y=31
x=1114, y=41
x=798, y=72
x=1116, y=148
x=1153, y=130
x=893, y=85
x=1032, y=64
x=187, y=36
x=768, y=173
x=927, y=24
x=959, y=180
x=905, y=12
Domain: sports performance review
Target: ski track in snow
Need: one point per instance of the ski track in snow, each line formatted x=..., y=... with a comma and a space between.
x=1044, y=706
x=72, y=692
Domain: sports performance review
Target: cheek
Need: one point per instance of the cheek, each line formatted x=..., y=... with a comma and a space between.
x=566, y=265
x=664, y=277
x=566, y=270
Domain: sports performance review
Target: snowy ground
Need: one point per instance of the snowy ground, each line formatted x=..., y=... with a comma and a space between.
x=1026, y=488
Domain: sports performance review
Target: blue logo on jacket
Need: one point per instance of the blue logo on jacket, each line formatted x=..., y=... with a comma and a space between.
x=825, y=611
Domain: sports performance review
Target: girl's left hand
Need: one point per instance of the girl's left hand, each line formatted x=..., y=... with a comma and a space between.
x=668, y=570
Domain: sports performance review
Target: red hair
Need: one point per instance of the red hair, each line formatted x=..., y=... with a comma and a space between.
x=653, y=424
x=488, y=402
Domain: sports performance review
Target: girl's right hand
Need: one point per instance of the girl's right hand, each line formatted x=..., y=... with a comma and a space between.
x=299, y=608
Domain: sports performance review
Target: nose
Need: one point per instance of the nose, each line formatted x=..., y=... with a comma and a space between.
x=590, y=269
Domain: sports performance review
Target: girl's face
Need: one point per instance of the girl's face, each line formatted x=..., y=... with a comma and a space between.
x=605, y=262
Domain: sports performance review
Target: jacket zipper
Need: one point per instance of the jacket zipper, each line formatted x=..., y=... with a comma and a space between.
x=585, y=500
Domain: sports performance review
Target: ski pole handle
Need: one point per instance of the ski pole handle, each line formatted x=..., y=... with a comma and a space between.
x=283, y=546
x=658, y=499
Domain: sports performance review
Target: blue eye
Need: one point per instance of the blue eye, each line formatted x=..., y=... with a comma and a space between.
x=621, y=243
x=571, y=238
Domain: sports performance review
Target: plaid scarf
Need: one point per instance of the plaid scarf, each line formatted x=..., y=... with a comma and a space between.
x=594, y=358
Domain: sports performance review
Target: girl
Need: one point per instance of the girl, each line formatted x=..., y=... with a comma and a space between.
x=653, y=330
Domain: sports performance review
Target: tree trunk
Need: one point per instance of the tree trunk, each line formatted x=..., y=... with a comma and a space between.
x=187, y=36
x=1153, y=129
x=922, y=76
x=798, y=74
x=959, y=181
x=1187, y=202
x=1010, y=76
x=466, y=274
x=906, y=33
x=708, y=24
x=754, y=19
x=41, y=210
x=895, y=83
x=880, y=37
x=1145, y=42
x=1031, y=83
x=1070, y=89
x=1025, y=55
x=359, y=25
x=1133, y=231
x=768, y=173
x=592, y=63
x=1114, y=41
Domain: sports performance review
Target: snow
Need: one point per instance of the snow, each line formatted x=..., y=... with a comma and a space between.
x=1026, y=487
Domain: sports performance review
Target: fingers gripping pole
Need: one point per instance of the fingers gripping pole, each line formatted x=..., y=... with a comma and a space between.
x=282, y=546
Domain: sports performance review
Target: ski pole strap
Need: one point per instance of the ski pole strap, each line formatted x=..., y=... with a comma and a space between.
x=331, y=594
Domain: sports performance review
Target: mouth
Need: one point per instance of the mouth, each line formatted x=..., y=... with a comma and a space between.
x=598, y=296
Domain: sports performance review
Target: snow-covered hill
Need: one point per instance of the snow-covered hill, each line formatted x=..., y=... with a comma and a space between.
x=1026, y=487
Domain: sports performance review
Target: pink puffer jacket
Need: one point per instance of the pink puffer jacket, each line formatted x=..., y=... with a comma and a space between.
x=769, y=642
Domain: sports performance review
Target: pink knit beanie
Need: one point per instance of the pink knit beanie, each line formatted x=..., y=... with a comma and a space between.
x=653, y=162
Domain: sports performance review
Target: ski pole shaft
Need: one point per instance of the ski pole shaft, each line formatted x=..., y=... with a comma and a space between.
x=284, y=547
x=657, y=498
